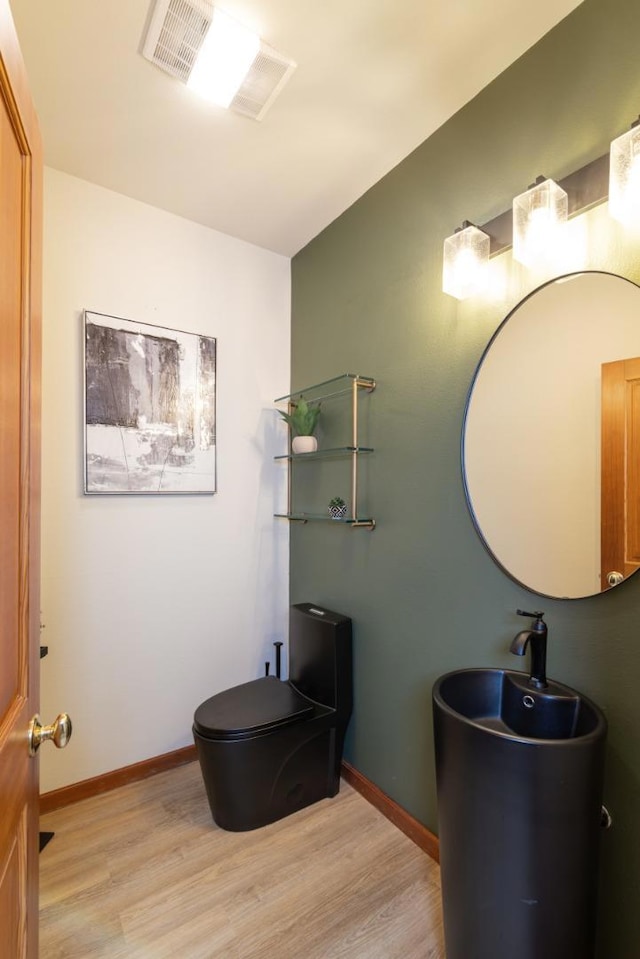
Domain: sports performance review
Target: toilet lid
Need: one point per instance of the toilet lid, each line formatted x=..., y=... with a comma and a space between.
x=253, y=707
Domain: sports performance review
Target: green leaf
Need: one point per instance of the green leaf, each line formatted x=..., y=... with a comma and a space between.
x=303, y=417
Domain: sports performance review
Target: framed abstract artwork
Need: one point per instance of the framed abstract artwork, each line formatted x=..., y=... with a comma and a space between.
x=149, y=408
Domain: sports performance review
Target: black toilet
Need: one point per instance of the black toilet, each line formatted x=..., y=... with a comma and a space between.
x=267, y=748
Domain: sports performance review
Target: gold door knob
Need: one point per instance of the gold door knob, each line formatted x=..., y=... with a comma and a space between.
x=59, y=732
x=614, y=578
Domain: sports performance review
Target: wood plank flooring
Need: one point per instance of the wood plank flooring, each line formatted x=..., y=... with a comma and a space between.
x=143, y=873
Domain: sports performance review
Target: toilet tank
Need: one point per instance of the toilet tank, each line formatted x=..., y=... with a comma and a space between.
x=320, y=656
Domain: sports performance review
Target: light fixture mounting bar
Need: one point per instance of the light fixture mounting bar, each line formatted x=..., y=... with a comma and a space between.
x=586, y=188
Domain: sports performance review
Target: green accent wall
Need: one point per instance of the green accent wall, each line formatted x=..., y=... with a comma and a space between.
x=424, y=595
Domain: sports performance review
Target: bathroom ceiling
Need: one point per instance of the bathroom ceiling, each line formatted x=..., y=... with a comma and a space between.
x=374, y=79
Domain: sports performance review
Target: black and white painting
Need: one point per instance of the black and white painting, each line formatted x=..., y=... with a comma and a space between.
x=150, y=408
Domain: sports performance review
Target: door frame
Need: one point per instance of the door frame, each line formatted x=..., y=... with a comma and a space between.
x=14, y=90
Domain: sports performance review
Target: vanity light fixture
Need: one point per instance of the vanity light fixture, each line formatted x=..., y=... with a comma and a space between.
x=624, y=176
x=533, y=226
x=538, y=216
x=466, y=256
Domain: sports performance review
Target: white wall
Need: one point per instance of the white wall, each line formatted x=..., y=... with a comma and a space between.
x=153, y=603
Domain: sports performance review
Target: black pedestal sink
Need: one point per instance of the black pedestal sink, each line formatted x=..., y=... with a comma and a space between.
x=519, y=776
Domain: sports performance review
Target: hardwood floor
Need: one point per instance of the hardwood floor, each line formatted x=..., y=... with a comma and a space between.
x=143, y=873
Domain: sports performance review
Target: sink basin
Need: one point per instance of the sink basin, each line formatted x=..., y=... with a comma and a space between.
x=504, y=702
x=519, y=775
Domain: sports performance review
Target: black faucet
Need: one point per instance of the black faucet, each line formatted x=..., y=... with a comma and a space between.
x=536, y=638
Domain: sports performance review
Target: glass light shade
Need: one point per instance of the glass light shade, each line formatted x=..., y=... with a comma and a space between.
x=224, y=60
x=538, y=217
x=466, y=255
x=624, y=177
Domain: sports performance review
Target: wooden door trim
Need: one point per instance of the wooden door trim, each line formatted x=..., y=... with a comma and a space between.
x=612, y=467
x=21, y=117
x=620, y=468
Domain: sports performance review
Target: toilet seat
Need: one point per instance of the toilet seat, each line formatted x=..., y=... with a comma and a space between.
x=251, y=708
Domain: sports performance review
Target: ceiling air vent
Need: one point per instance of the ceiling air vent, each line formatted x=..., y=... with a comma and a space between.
x=176, y=31
x=268, y=74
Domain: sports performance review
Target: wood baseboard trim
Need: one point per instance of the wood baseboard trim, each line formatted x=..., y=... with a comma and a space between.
x=422, y=837
x=117, y=777
x=88, y=788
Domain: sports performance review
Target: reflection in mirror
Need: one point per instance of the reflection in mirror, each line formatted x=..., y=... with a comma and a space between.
x=551, y=440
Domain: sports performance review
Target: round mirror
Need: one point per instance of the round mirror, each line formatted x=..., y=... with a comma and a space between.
x=551, y=438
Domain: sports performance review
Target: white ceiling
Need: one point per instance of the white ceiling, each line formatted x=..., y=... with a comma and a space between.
x=374, y=79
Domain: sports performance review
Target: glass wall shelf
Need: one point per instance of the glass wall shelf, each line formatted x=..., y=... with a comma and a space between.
x=349, y=384
x=319, y=454
x=338, y=386
x=363, y=521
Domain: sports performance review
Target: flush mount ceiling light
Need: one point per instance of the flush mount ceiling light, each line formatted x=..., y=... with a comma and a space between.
x=224, y=59
x=624, y=176
x=466, y=255
x=538, y=216
x=217, y=56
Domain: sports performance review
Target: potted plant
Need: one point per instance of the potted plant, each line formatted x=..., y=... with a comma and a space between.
x=303, y=420
x=337, y=508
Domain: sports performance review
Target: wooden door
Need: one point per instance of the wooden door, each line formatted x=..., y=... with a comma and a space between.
x=20, y=279
x=620, y=469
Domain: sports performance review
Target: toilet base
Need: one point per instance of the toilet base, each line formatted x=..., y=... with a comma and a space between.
x=261, y=779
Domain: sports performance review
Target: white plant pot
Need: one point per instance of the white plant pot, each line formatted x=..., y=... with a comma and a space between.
x=304, y=444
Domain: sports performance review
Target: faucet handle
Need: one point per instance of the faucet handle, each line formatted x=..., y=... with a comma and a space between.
x=539, y=624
